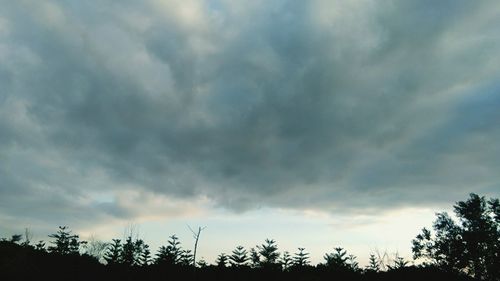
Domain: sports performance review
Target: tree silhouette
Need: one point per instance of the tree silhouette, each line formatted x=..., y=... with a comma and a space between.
x=286, y=261
x=470, y=245
x=40, y=246
x=337, y=259
x=64, y=243
x=269, y=252
x=171, y=254
x=398, y=263
x=301, y=258
x=352, y=263
x=114, y=252
x=131, y=251
x=222, y=260
x=187, y=258
x=239, y=257
x=145, y=256
x=373, y=264
x=254, y=258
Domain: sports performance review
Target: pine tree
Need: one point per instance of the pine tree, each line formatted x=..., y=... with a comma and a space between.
x=269, y=252
x=145, y=258
x=337, y=259
x=373, y=264
x=186, y=258
x=352, y=263
x=286, y=261
x=222, y=260
x=128, y=252
x=170, y=254
x=114, y=253
x=64, y=243
x=254, y=258
x=398, y=263
x=239, y=257
x=301, y=258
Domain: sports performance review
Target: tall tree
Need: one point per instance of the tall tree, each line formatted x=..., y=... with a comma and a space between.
x=170, y=254
x=239, y=257
x=114, y=252
x=254, y=258
x=373, y=264
x=131, y=251
x=472, y=244
x=269, y=252
x=187, y=258
x=337, y=259
x=301, y=258
x=352, y=263
x=145, y=257
x=286, y=261
x=64, y=242
x=222, y=260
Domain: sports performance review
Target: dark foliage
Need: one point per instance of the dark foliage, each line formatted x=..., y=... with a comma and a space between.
x=26, y=263
x=301, y=258
x=269, y=253
x=171, y=254
x=64, y=242
x=239, y=257
x=114, y=254
x=471, y=245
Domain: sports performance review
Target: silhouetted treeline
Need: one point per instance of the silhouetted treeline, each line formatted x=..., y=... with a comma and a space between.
x=465, y=249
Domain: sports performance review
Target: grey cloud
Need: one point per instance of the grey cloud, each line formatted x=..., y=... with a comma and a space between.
x=273, y=107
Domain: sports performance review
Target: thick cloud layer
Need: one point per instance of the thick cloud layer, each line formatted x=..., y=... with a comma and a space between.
x=329, y=105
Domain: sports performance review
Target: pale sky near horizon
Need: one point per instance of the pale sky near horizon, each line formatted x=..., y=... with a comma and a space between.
x=315, y=123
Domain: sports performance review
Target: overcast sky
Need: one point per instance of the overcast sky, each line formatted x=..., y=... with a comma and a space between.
x=317, y=123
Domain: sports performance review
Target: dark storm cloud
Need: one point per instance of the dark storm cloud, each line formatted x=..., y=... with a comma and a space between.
x=284, y=104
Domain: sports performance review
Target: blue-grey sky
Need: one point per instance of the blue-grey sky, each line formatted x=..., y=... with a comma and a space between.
x=317, y=123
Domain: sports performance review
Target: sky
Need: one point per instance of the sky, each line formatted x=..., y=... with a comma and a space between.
x=315, y=123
